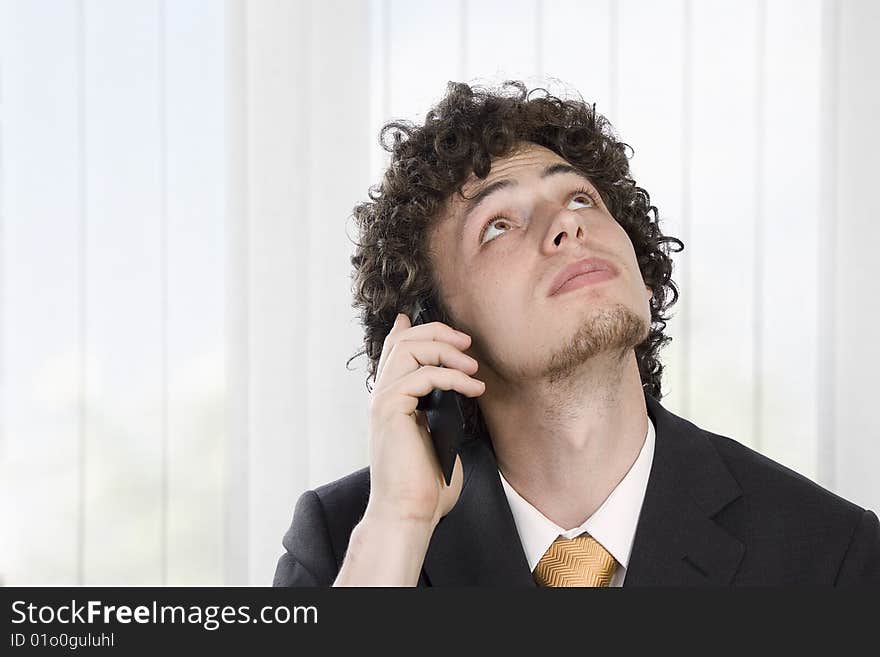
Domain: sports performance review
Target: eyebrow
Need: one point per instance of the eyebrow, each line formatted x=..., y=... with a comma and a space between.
x=498, y=185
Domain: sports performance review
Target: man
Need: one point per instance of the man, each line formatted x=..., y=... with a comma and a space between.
x=519, y=218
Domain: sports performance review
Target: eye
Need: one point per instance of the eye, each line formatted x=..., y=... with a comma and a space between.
x=499, y=219
x=582, y=193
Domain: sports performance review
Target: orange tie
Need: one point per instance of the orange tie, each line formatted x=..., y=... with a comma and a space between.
x=578, y=561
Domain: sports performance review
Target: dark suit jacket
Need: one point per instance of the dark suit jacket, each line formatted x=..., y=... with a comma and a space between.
x=715, y=513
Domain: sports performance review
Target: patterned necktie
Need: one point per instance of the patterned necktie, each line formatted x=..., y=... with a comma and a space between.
x=578, y=561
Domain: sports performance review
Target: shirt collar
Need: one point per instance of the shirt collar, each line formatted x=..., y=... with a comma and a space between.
x=613, y=524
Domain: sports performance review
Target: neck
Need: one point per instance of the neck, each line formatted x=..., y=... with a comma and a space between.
x=565, y=445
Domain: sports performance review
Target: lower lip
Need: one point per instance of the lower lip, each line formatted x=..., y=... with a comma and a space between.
x=583, y=280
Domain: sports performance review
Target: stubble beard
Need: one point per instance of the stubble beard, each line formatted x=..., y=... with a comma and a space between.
x=612, y=330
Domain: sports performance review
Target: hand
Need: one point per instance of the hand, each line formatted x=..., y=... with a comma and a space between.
x=406, y=481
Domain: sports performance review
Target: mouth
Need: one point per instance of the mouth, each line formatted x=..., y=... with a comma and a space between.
x=583, y=280
x=582, y=273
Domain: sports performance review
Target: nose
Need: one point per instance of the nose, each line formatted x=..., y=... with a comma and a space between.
x=578, y=232
x=567, y=224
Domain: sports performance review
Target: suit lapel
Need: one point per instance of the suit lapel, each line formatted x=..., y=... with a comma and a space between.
x=477, y=544
x=676, y=542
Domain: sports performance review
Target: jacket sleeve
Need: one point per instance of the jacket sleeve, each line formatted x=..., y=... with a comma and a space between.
x=308, y=559
x=861, y=562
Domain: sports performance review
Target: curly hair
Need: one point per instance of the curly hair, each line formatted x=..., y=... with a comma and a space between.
x=461, y=134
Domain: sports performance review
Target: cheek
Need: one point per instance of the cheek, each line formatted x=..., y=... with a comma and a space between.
x=625, y=246
x=492, y=300
x=619, y=231
x=494, y=253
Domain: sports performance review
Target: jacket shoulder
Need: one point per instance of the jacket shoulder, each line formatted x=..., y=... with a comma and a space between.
x=796, y=530
x=317, y=539
x=767, y=481
x=344, y=502
x=803, y=530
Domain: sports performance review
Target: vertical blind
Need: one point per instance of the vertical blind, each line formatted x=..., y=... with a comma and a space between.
x=176, y=184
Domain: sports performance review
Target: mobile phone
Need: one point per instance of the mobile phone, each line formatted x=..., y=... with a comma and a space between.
x=442, y=408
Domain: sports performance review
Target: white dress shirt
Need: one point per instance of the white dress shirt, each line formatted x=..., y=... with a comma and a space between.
x=613, y=524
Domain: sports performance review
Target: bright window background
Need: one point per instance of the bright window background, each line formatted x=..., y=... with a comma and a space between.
x=176, y=183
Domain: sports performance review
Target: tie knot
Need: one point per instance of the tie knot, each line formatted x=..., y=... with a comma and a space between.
x=578, y=561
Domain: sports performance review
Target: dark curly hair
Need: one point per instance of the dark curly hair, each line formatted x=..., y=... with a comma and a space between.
x=461, y=133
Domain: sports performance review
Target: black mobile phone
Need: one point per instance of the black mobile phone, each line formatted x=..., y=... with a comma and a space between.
x=443, y=408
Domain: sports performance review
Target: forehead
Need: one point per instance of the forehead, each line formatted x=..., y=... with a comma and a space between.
x=528, y=159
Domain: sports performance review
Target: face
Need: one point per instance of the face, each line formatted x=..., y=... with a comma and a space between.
x=496, y=263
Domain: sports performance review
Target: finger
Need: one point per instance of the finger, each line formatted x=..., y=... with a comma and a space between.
x=407, y=391
x=408, y=356
x=401, y=322
x=430, y=331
